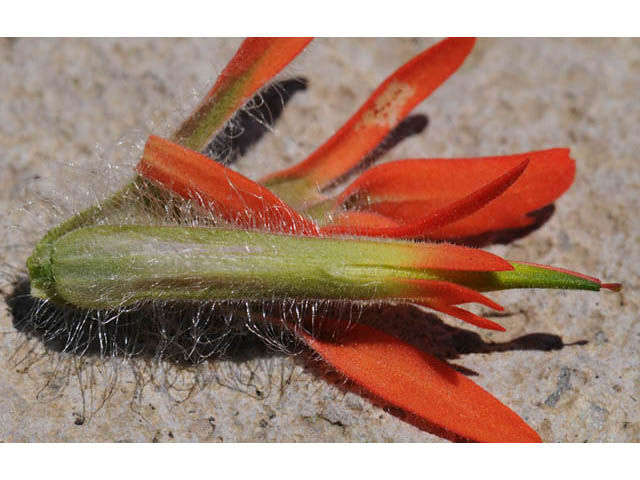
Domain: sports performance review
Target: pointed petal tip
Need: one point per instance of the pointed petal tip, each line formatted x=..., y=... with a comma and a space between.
x=496, y=327
x=447, y=256
x=437, y=292
x=615, y=287
x=498, y=307
x=529, y=436
x=487, y=302
x=466, y=316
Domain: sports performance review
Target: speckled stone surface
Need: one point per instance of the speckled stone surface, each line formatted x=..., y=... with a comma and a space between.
x=74, y=115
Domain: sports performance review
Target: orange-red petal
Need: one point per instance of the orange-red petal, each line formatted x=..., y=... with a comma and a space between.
x=423, y=225
x=446, y=293
x=353, y=219
x=227, y=193
x=387, y=106
x=406, y=190
x=421, y=385
x=464, y=315
x=445, y=257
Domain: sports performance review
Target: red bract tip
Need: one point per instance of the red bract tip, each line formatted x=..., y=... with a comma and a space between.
x=444, y=256
x=446, y=293
x=441, y=296
x=466, y=316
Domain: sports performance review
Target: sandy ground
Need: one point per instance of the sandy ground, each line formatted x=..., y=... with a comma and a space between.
x=75, y=113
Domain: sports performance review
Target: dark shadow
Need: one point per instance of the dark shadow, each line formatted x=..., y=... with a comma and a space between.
x=412, y=125
x=191, y=333
x=427, y=332
x=185, y=334
x=188, y=335
x=251, y=123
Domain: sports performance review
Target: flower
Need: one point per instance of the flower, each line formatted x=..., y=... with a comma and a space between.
x=357, y=245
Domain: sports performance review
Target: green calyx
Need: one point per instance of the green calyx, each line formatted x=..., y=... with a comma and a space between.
x=113, y=266
x=107, y=267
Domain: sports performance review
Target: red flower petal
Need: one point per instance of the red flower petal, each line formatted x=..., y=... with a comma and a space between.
x=464, y=315
x=407, y=190
x=387, y=106
x=421, y=385
x=444, y=257
x=447, y=293
x=441, y=296
x=355, y=219
x=421, y=226
x=227, y=193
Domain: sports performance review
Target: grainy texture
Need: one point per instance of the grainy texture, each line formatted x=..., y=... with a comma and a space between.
x=71, y=101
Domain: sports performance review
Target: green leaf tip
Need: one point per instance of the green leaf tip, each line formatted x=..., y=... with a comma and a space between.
x=531, y=275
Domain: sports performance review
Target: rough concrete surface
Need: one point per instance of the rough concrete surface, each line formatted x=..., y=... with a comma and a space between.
x=75, y=113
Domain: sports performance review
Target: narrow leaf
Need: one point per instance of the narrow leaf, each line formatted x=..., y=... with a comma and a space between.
x=528, y=275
